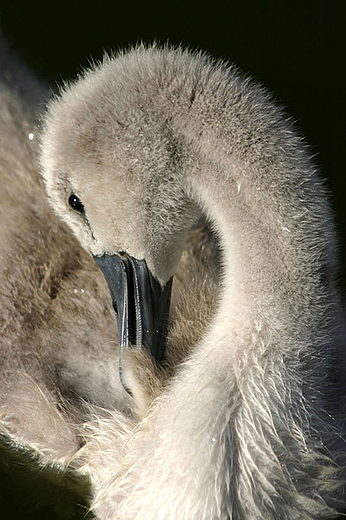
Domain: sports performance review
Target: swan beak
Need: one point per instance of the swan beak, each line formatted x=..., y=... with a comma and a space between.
x=140, y=303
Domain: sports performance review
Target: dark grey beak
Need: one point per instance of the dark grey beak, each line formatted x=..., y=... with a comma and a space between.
x=140, y=303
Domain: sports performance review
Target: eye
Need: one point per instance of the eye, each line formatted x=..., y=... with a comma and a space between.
x=75, y=203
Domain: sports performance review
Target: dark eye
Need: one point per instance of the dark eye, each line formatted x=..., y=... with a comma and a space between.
x=75, y=203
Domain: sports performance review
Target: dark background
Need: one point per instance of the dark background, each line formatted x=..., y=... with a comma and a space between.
x=295, y=48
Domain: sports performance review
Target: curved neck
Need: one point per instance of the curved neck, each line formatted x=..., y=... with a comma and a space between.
x=273, y=257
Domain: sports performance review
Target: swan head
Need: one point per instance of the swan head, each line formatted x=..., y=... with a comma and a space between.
x=112, y=168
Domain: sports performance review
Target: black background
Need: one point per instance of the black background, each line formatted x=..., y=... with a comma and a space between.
x=295, y=48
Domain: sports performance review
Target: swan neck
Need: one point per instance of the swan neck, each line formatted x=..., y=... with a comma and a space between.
x=272, y=277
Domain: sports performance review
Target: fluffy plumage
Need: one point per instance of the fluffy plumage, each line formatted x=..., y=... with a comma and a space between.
x=250, y=425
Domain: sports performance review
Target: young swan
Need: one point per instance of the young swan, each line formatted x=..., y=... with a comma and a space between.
x=250, y=426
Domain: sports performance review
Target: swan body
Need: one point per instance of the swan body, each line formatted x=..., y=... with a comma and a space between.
x=250, y=423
